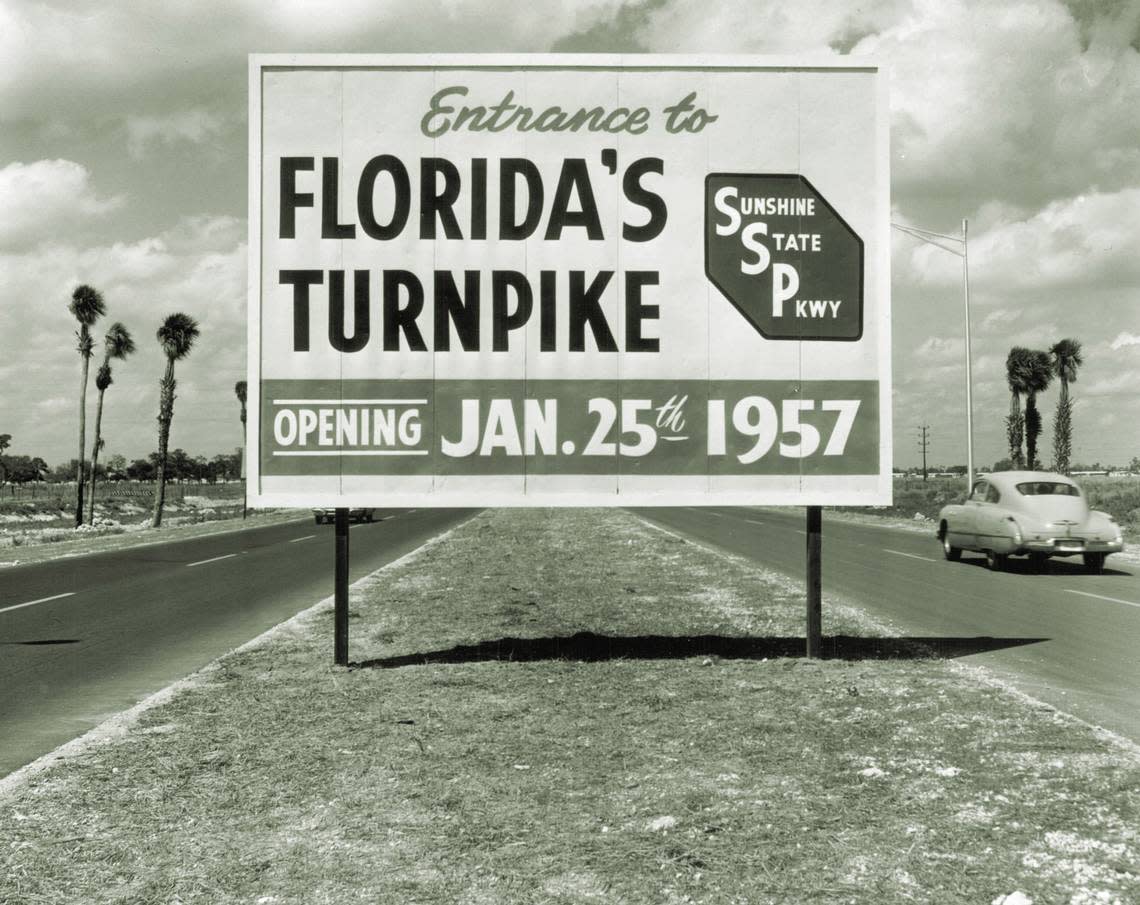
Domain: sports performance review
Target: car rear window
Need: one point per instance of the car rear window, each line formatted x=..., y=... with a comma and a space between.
x=1047, y=488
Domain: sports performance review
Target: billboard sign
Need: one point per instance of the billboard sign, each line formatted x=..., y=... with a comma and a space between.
x=567, y=280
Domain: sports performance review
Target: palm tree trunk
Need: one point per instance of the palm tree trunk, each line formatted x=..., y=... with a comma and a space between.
x=1014, y=430
x=95, y=459
x=82, y=439
x=1063, y=430
x=1032, y=430
x=165, y=416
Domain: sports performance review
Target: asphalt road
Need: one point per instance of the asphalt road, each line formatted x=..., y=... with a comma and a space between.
x=86, y=637
x=1065, y=637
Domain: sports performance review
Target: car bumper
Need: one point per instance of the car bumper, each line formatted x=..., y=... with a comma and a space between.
x=1070, y=546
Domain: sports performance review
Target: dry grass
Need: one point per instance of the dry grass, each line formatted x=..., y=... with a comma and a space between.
x=511, y=762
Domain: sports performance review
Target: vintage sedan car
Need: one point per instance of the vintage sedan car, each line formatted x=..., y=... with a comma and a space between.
x=354, y=515
x=1028, y=513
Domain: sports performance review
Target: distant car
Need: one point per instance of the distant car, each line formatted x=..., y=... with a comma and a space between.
x=354, y=515
x=1028, y=513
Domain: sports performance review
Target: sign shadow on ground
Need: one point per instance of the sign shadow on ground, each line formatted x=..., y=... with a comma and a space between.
x=591, y=647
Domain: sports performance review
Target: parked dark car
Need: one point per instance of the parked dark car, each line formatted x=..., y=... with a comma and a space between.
x=354, y=515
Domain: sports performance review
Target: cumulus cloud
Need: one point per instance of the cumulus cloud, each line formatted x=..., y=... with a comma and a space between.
x=195, y=126
x=47, y=199
x=1004, y=101
x=1071, y=244
x=745, y=26
x=1017, y=102
x=198, y=266
x=82, y=59
x=1123, y=340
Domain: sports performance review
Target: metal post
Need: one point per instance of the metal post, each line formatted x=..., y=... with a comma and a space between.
x=814, y=581
x=969, y=375
x=340, y=590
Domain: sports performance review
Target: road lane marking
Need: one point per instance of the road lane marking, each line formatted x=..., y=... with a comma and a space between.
x=41, y=600
x=911, y=555
x=203, y=562
x=306, y=537
x=1102, y=597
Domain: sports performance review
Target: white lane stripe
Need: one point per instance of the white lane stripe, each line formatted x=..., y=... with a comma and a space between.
x=753, y=521
x=911, y=555
x=306, y=537
x=41, y=600
x=203, y=562
x=1102, y=597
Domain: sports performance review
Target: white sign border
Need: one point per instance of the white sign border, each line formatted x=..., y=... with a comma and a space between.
x=729, y=495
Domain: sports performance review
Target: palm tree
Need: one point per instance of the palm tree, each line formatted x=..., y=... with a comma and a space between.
x=176, y=336
x=240, y=392
x=117, y=344
x=1017, y=371
x=86, y=306
x=1067, y=359
x=5, y=442
x=1039, y=377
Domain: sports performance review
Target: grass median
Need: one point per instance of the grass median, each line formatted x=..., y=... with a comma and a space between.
x=572, y=706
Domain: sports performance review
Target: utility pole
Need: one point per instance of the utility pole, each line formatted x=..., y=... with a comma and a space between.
x=961, y=249
x=924, y=444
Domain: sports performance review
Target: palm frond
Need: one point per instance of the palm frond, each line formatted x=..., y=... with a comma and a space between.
x=240, y=391
x=103, y=378
x=1067, y=359
x=177, y=335
x=118, y=342
x=86, y=305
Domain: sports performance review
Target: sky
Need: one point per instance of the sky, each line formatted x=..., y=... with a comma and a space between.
x=123, y=165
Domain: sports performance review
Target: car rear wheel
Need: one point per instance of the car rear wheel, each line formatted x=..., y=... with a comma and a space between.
x=995, y=562
x=1037, y=561
x=951, y=552
x=318, y=519
x=1094, y=562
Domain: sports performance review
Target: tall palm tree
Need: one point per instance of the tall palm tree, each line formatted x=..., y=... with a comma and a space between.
x=240, y=392
x=117, y=344
x=1039, y=377
x=1017, y=369
x=86, y=306
x=1067, y=359
x=176, y=336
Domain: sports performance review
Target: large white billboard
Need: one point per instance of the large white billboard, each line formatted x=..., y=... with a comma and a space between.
x=568, y=280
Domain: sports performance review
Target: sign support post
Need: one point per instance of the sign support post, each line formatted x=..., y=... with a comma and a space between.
x=814, y=581
x=340, y=591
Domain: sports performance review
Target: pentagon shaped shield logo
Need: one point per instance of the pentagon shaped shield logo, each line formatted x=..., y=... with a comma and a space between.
x=783, y=257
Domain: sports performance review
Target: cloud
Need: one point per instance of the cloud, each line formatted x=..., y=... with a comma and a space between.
x=1016, y=102
x=198, y=266
x=1071, y=244
x=746, y=26
x=80, y=60
x=1123, y=384
x=195, y=126
x=47, y=199
x=1124, y=340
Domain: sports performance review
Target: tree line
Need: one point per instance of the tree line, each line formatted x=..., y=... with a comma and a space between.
x=1028, y=373
x=176, y=334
